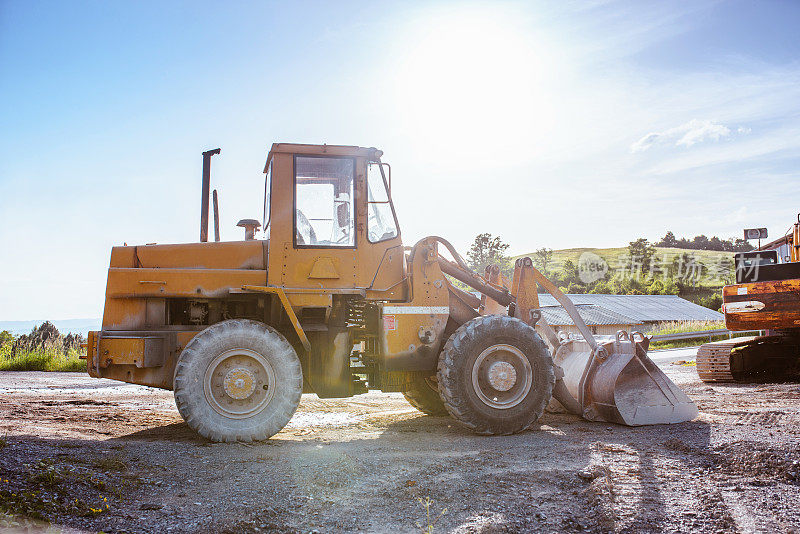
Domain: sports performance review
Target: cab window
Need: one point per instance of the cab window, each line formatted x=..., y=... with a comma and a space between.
x=324, y=215
x=381, y=222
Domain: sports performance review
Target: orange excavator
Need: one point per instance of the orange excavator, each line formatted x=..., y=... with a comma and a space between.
x=766, y=296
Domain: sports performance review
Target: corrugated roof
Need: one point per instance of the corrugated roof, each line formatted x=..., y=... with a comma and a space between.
x=592, y=315
x=643, y=308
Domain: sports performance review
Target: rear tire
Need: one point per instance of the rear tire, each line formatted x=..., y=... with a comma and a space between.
x=495, y=375
x=238, y=380
x=424, y=395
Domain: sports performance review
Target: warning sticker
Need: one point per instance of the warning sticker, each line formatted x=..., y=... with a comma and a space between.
x=389, y=323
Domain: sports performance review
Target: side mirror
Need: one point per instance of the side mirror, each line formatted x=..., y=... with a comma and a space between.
x=343, y=215
x=342, y=202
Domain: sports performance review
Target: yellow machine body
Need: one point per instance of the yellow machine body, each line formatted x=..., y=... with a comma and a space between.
x=169, y=293
x=332, y=276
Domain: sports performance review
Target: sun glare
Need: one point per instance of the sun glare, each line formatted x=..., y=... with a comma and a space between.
x=475, y=78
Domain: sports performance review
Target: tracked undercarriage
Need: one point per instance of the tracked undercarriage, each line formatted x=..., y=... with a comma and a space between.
x=753, y=358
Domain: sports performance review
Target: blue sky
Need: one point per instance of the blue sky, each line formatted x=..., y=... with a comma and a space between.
x=554, y=124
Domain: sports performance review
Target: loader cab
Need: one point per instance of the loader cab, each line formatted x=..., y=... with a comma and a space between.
x=330, y=221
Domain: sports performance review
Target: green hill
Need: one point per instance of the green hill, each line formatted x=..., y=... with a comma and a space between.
x=713, y=262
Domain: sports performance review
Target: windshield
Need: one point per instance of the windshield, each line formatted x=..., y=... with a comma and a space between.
x=381, y=221
x=324, y=215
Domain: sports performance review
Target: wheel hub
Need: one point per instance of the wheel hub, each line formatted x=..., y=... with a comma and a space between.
x=239, y=383
x=502, y=375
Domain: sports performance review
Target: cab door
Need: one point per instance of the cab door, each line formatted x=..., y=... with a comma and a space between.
x=313, y=235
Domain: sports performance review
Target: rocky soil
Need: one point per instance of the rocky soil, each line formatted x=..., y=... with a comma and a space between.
x=79, y=454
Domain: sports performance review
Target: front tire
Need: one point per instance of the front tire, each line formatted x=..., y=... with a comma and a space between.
x=496, y=375
x=238, y=380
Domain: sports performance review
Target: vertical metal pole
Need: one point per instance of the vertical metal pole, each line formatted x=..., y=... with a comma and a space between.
x=204, y=199
x=216, y=216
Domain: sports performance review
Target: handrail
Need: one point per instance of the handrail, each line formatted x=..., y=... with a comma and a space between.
x=701, y=333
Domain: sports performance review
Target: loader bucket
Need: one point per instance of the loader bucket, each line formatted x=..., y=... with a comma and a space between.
x=615, y=381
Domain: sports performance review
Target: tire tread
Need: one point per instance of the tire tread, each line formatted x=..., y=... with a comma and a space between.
x=452, y=360
x=192, y=362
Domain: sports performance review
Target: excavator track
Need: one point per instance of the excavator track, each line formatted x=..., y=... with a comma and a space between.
x=749, y=359
x=714, y=359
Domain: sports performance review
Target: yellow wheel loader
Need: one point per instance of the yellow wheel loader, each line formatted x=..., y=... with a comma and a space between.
x=330, y=302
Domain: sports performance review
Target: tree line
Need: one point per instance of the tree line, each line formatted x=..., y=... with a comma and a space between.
x=701, y=242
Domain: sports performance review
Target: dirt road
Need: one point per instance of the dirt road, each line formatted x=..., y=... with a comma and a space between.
x=99, y=455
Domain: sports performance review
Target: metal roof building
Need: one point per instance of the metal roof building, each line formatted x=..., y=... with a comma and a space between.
x=641, y=309
x=592, y=315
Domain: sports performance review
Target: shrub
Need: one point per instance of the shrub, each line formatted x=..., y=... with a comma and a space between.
x=44, y=349
x=713, y=302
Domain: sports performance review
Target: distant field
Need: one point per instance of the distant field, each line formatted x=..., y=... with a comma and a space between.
x=710, y=259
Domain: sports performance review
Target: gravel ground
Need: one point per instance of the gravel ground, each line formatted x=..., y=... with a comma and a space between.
x=97, y=455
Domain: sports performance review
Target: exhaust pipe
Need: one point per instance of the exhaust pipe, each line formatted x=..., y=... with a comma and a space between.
x=216, y=216
x=205, y=193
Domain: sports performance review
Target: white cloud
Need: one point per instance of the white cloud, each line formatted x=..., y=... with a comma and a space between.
x=687, y=134
x=699, y=131
x=775, y=146
x=646, y=142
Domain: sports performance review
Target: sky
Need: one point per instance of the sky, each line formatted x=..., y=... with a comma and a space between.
x=550, y=124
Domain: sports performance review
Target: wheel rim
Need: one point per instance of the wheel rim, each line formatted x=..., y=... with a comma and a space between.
x=502, y=376
x=239, y=383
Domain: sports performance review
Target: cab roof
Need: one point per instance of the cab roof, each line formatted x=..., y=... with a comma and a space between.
x=322, y=150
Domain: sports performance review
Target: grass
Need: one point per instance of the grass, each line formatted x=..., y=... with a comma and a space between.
x=430, y=522
x=48, y=500
x=42, y=360
x=681, y=327
x=44, y=473
x=110, y=463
